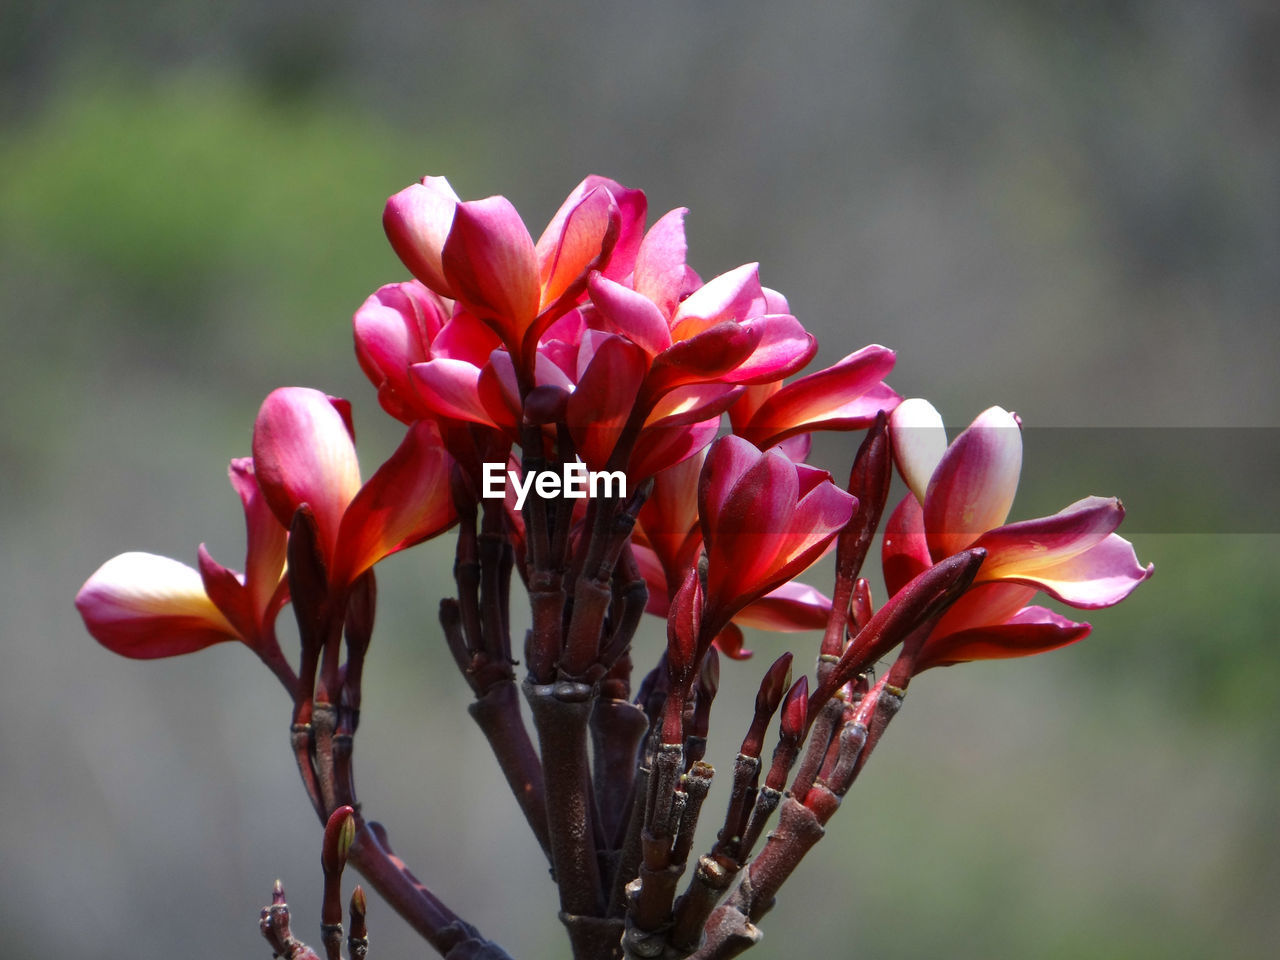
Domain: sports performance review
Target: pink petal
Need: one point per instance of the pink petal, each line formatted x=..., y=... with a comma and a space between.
x=451, y=388
x=784, y=347
x=661, y=447
x=973, y=487
x=711, y=355
x=491, y=264
x=735, y=295
x=919, y=440
x=303, y=453
x=145, y=606
x=905, y=553
x=692, y=404
x=465, y=338
x=845, y=396
x=731, y=643
x=393, y=330
x=1032, y=630
x=789, y=608
x=633, y=208
x=417, y=221
x=577, y=240
x=726, y=463
x=1101, y=576
x=600, y=406
x=661, y=274
x=745, y=534
x=1045, y=541
x=984, y=604
x=265, y=538
x=629, y=313
x=405, y=502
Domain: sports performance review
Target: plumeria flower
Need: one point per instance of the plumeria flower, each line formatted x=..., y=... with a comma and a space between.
x=764, y=520
x=668, y=541
x=146, y=606
x=481, y=254
x=304, y=453
x=394, y=329
x=960, y=498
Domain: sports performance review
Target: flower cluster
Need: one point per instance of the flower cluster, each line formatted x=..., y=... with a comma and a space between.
x=598, y=346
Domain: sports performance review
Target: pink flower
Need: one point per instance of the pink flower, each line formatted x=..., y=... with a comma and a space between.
x=961, y=497
x=304, y=452
x=145, y=606
x=727, y=331
x=764, y=520
x=669, y=541
x=481, y=254
x=395, y=329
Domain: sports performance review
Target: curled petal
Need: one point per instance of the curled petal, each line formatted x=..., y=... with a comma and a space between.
x=789, y=608
x=973, y=487
x=145, y=606
x=491, y=264
x=631, y=314
x=407, y=501
x=736, y=296
x=393, y=330
x=1101, y=576
x=303, y=453
x=845, y=396
x=712, y=355
x=1029, y=631
x=732, y=643
x=784, y=347
x=417, y=221
x=919, y=440
x=1046, y=541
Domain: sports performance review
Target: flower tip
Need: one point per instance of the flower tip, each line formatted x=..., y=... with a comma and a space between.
x=339, y=834
x=277, y=892
x=795, y=712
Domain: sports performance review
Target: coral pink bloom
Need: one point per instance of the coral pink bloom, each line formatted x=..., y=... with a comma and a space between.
x=764, y=520
x=481, y=254
x=394, y=329
x=304, y=452
x=668, y=543
x=844, y=396
x=961, y=496
x=728, y=330
x=145, y=606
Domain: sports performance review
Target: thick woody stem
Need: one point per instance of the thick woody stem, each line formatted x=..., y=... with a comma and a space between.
x=497, y=713
x=560, y=713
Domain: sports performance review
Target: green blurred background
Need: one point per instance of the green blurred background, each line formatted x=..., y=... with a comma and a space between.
x=1069, y=209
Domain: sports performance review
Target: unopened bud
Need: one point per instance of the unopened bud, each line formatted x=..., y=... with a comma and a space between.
x=339, y=833
x=795, y=711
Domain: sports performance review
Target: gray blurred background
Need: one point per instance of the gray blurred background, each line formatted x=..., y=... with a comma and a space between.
x=1069, y=209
